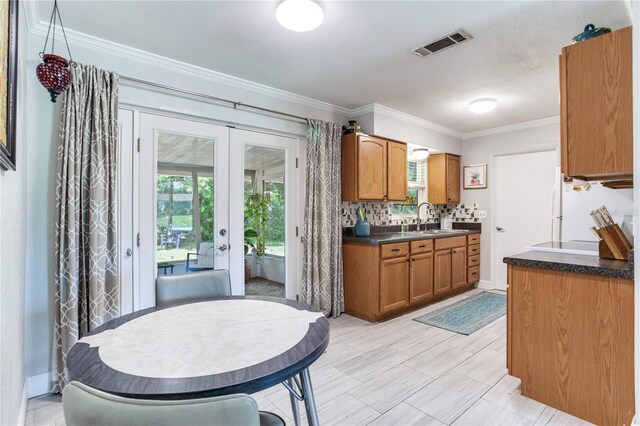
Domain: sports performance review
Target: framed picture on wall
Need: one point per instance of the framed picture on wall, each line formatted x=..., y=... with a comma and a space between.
x=475, y=176
x=9, y=72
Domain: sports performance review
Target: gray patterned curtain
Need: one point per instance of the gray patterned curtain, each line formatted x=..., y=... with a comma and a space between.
x=86, y=278
x=322, y=270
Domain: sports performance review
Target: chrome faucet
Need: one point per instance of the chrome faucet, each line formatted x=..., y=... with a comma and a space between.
x=420, y=205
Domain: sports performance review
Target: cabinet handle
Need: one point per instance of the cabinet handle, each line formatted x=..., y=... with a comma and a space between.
x=423, y=246
x=395, y=250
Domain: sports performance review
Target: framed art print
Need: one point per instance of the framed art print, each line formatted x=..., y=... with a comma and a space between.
x=475, y=176
x=9, y=71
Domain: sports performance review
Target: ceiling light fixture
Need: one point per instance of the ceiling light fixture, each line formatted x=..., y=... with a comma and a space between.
x=420, y=153
x=482, y=105
x=299, y=15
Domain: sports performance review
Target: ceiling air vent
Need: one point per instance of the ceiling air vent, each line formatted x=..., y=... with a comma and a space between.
x=442, y=43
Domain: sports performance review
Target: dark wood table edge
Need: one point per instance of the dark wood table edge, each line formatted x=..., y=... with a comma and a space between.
x=251, y=386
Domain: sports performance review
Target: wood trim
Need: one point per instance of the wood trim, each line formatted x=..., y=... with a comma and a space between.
x=564, y=124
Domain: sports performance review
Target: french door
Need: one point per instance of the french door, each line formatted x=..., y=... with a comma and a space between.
x=264, y=200
x=183, y=219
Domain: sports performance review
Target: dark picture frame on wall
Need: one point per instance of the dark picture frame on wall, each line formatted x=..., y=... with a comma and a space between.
x=8, y=82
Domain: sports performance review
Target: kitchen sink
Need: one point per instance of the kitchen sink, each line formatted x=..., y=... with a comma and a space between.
x=440, y=231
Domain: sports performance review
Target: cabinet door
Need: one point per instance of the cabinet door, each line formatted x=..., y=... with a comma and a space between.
x=453, y=179
x=442, y=272
x=396, y=171
x=394, y=284
x=458, y=267
x=372, y=168
x=597, y=113
x=421, y=278
x=436, y=179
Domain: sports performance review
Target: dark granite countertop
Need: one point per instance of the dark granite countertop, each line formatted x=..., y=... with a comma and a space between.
x=582, y=264
x=400, y=237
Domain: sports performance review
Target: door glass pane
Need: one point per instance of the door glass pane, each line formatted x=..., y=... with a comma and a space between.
x=185, y=200
x=264, y=221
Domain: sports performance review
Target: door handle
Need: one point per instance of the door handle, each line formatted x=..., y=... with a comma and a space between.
x=499, y=229
x=222, y=247
x=129, y=252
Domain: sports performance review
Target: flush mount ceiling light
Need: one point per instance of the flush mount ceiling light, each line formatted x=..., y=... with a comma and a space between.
x=420, y=153
x=299, y=15
x=482, y=105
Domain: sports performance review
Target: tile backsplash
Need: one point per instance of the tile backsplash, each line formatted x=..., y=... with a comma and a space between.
x=379, y=214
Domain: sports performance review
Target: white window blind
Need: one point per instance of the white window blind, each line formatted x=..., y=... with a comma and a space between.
x=417, y=174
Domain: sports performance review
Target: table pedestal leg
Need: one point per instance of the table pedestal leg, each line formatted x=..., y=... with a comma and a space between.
x=295, y=409
x=309, y=400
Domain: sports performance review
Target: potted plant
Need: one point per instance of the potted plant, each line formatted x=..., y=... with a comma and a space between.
x=250, y=236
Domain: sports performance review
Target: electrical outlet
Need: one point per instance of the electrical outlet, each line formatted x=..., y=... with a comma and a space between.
x=482, y=214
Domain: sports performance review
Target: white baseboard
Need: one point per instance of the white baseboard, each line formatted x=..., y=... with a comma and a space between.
x=38, y=385
x=484, y=284
x=22, y=416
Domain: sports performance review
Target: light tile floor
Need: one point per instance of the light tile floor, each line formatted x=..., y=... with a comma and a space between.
x=399, y=372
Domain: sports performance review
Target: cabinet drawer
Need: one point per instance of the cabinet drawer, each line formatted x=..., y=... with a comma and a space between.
x=394, y=250
x=473, y=250
x=473, y=239
x=422, y=246
x=473, y=274
x=473, y=260
x=446, y=243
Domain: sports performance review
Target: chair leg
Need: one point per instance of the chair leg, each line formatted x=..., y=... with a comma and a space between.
x=295, y=408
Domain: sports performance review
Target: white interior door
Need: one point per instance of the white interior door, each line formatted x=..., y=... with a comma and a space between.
x=525, y=187
x=183, y=198
x=257, y=157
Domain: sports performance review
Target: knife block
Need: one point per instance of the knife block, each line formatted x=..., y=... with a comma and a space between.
x=613, y=243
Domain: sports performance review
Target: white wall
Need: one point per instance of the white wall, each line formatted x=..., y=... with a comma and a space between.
x=12, y=267
x=578, y=204
x=396, y=126
x=480, y=150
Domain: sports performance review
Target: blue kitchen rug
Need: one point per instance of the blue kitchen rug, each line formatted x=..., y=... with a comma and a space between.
x=469, y=315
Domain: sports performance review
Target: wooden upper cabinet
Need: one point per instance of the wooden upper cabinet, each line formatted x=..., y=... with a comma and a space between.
x=596, y=107
x=373, y=169
x=443, y=179
x=396, y=171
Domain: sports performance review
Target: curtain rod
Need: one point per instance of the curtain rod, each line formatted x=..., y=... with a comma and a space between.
x=235, y=104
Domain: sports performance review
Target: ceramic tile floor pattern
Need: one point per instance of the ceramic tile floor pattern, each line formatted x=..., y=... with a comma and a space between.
x=399, y=372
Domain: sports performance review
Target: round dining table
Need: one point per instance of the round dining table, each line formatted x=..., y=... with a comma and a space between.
x=206, y=347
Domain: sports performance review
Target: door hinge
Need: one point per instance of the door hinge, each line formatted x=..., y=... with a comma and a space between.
x=138, y=145
x=296, y=231
x=296, y=162
x=138, y=239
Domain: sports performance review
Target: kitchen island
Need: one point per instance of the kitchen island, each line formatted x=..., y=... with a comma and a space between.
x=570, y=333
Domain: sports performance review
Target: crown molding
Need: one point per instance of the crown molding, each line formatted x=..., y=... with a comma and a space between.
x=365, y=109
x=512, y=127
x=37, y=27
x=390, y=112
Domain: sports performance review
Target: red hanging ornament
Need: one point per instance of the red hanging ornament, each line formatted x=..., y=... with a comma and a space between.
x=54, y=73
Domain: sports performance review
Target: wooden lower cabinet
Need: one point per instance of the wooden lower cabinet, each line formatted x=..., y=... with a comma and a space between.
x=570, y=341
x=394, y=293
x=384, y=280
x=458, y=268
x=442, y=272
x=421, y=278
